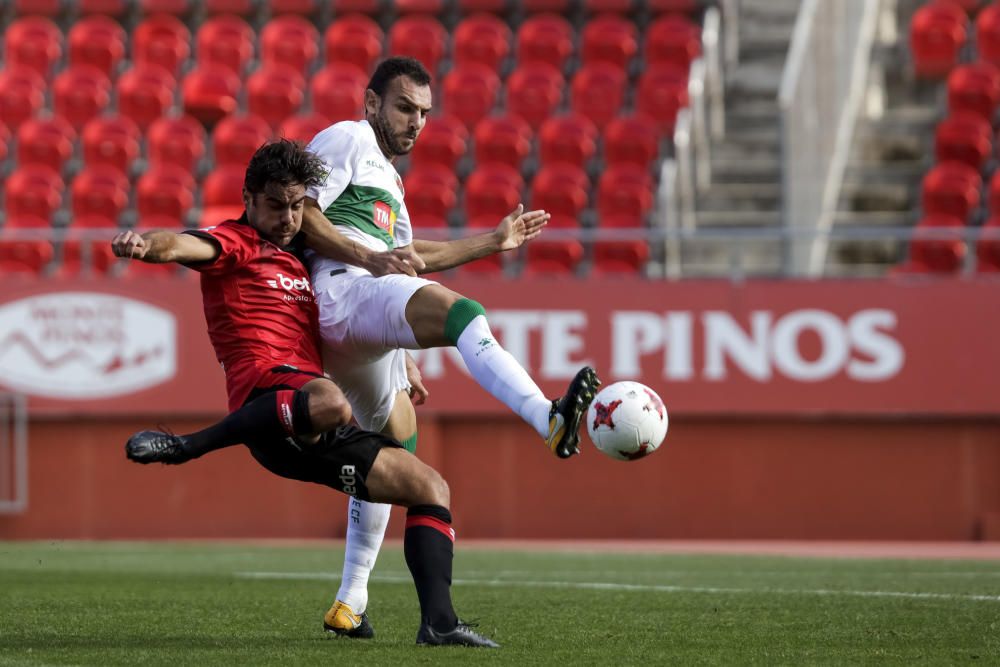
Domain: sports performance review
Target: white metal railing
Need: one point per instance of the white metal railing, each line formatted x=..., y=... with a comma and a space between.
x=668, y=232
x=822, y=89
x=13, y=454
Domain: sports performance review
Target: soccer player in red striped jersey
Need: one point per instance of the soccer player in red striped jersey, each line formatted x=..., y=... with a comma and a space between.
x=262, y=322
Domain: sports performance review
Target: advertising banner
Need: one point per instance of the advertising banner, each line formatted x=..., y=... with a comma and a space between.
x=713, y=348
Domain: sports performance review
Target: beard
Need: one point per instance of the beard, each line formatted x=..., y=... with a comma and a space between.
x=392, y=142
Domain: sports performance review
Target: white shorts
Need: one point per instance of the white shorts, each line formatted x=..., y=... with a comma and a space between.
x=362, y=321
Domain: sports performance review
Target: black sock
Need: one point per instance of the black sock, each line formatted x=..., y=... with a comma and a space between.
x=276, y=415
x=428, y=545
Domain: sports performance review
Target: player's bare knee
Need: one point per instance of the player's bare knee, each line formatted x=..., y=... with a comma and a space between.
x=434, y=489
x=328, y=408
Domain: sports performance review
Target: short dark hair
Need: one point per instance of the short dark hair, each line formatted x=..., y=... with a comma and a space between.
x=397, y=66
x=283, y=162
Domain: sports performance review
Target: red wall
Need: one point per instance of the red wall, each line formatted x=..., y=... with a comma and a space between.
x=735, y=478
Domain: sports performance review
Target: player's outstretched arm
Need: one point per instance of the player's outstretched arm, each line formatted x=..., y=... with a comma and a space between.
x=512, y=232
x=324, y=238
x=160, y=247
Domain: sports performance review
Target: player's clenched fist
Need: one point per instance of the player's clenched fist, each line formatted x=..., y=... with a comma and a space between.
x=129, y=244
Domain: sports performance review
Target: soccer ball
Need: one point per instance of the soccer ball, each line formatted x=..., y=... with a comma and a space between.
x=627, y=421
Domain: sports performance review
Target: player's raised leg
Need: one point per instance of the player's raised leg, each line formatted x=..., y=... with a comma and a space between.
x=441, y=317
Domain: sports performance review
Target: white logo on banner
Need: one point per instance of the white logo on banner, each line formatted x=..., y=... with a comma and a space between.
x=84, y=345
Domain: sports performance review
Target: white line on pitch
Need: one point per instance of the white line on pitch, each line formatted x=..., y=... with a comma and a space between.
x=608, y=586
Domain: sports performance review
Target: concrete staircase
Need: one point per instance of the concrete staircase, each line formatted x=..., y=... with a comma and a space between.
x=891, y=151
x=745, y=188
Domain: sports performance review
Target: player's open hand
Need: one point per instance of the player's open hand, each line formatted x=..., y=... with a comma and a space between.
x=129, y=245
x=398, y=260
x=418, y=392
x=519, y=227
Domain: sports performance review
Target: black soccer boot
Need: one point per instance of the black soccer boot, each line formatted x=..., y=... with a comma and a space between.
x=462, y=635
x=568, y=411
x=157, y=447
x=343, y=622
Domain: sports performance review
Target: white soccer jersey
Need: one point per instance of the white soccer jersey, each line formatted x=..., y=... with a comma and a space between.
x=362, y=193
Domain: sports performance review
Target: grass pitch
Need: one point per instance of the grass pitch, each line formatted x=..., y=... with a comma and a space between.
x=91, y=603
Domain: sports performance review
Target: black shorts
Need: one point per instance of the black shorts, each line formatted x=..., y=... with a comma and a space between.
x=341, y=459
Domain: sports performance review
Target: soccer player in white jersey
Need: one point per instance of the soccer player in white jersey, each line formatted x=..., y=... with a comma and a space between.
x=373, y=306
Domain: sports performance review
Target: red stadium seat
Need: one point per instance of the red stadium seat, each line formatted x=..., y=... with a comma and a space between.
x=236, y=138
x=570, y=138
x=993, y=194
x=975, y=88
x=484, y=39
x=442, y=141
x=112, y=140
x=33, y=193
x=492, y=190
x=35, y=42
x=226, y=40
x=625, y=190
x=546, y=38
x=965, y=137
x=275, y=92
x=224, y=186
x=179, y=141
x=165, y=191
x=936, y=255
x=552, y=257
x=503, y=139
x=672, y=40
x=662, y=92
x=631, y=139
x=210, y=92
x=22, y=256
x=988, y=34
x=988, y=249
x=938, y=32
x=213, y=215
x=338, y=92
x=951, y=188
x=97, y=41
x=430, y=194
x=421, y=37
x=619, y=257
x=82, y=255
x=610, y=39
x=81, y=92
x=562, y=190
x=354, y=39
x=48, y=8
x=597, y=92
x=145, y=93
x=534, y=92
x=470, y=92
x=22, y=94
x=303, y=127
x=290, y=40
x=45, y=140
x=161, y=40
x=100, y=190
